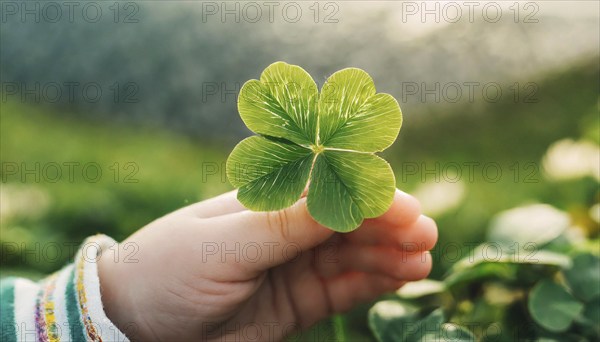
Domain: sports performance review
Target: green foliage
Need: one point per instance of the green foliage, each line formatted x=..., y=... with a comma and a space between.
x=504, y=292
x=584, y=276
x=327, y=139
x=396, y=321
x=552, y=307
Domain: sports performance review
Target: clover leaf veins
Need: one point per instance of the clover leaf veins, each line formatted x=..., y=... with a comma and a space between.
x=326, y=140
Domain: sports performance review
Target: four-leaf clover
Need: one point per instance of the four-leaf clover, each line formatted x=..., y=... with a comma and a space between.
x=326, y=140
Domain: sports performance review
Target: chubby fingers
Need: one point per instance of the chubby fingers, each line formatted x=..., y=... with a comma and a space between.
x=387, y=261
x=394, y=245
x=402, y=227
x=420, y=235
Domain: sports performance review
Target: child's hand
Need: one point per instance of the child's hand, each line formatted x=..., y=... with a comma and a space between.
x=214, y=269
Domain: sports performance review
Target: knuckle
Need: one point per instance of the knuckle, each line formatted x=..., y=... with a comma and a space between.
x=279, y=224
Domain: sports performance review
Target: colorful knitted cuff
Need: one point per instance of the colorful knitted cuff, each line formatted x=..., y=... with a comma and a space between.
x=65, y=306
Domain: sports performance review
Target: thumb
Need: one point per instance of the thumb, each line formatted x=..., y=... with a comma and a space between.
x=279, y=235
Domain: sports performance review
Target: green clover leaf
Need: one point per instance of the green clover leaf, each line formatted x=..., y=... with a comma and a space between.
x=326, y=140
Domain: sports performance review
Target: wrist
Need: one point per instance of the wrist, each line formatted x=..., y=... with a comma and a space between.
x=117, y=291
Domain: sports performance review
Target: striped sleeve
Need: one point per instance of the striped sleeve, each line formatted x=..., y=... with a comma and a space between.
x=66, y=306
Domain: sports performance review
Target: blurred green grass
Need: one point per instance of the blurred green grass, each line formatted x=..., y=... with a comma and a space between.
x=168, y=175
